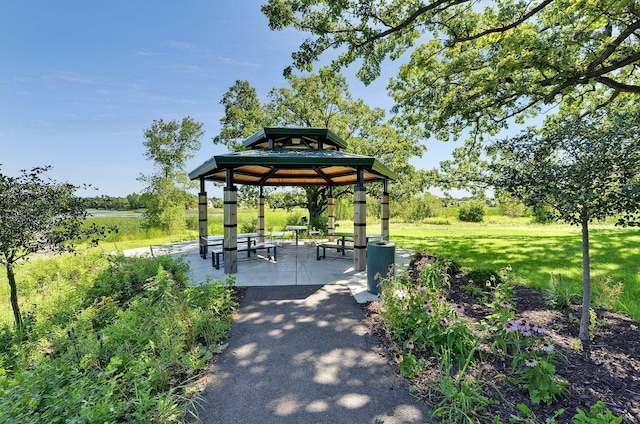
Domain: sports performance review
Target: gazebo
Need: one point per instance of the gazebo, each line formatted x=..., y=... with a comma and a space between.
x=292, y=156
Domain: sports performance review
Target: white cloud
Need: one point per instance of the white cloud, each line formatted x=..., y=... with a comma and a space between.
x=236, y=62
x=180, y=45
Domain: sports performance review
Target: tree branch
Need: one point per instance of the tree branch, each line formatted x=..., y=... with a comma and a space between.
x=614, y=45
x=618, y=86
x=409, y=20
x=512, y=25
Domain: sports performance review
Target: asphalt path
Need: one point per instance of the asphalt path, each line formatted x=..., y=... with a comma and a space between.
x=300, y=354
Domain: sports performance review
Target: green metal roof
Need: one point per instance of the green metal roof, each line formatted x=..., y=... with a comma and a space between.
x=294, y=164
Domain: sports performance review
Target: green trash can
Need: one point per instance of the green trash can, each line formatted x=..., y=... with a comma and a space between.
x=380, y=255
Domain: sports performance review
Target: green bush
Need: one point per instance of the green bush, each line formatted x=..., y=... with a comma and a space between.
x=484, y=277
x=472, y=211
x=294, y=218
x=420, y=208
x=543, y=214
x=249, y=225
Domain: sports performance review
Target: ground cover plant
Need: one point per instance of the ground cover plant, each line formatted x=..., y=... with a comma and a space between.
x=110, y=339
x=478, y=347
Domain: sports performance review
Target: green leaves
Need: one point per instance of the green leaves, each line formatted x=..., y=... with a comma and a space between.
x=473, y=66
x=587, y=169
x=127, y=361
x=169, y=145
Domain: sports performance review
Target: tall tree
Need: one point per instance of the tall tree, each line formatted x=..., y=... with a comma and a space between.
x=473, y=68
x=169, y=145
x=37, y=214
x=585, y=169
x=323, y=100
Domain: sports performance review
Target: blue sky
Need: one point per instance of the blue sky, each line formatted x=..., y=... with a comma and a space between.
x=80, y=81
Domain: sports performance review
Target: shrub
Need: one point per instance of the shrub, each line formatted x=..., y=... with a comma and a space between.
x=420, y=208
x=249, y=226
x=543, y=214
x=472, y=211
x=294, y=218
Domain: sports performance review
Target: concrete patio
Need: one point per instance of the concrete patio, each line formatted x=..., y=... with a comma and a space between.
x=296, y=266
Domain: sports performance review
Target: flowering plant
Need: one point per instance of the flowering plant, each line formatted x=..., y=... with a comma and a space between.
x=414, y=307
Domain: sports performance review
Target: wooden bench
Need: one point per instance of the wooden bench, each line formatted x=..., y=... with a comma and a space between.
x=217, y=253
x=324, y=246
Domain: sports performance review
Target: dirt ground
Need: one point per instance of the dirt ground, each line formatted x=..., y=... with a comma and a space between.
x=612, y=374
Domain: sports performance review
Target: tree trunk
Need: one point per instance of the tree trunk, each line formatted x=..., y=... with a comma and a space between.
x=586, y=296
x=14, y=295
x=316, y=202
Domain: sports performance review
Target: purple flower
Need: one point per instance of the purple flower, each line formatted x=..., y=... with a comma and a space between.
x=547, y=347
x=531, y=363
x=509, y=327
x=540, y=330
x=523, y=325
x=410, y=344
x=458, y=308
x=444, y=322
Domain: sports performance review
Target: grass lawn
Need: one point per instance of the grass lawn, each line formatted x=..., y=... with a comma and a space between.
x=536, y=251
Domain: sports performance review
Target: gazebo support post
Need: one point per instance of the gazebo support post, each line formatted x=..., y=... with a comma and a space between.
x=384, y=213
x=203, y=230
x=230, y=225
x=360, y=224
x=261, y=216
x=331, y=217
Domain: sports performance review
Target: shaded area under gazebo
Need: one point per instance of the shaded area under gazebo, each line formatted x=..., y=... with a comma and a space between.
x=292, y=157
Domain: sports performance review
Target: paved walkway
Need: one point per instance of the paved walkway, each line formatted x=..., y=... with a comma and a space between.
x=300, y=354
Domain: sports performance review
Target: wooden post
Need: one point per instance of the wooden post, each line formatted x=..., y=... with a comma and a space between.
x=384, y=213
x=261, y=216
x=360, y=225
x=230, y=226
x=203, y=230
x=331, y=217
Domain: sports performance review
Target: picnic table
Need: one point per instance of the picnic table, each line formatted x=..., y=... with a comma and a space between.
x=217, y=240
x=344, y=237
x=341, y=243
x=297, y=229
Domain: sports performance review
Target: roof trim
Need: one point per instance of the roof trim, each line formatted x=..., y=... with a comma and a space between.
x=271, y=132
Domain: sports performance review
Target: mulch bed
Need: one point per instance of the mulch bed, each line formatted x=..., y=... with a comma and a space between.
x=612, y=374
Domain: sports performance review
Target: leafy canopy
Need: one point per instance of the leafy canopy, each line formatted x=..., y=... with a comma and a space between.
x=474, y=64
x=585, y=168
x=38, y=214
